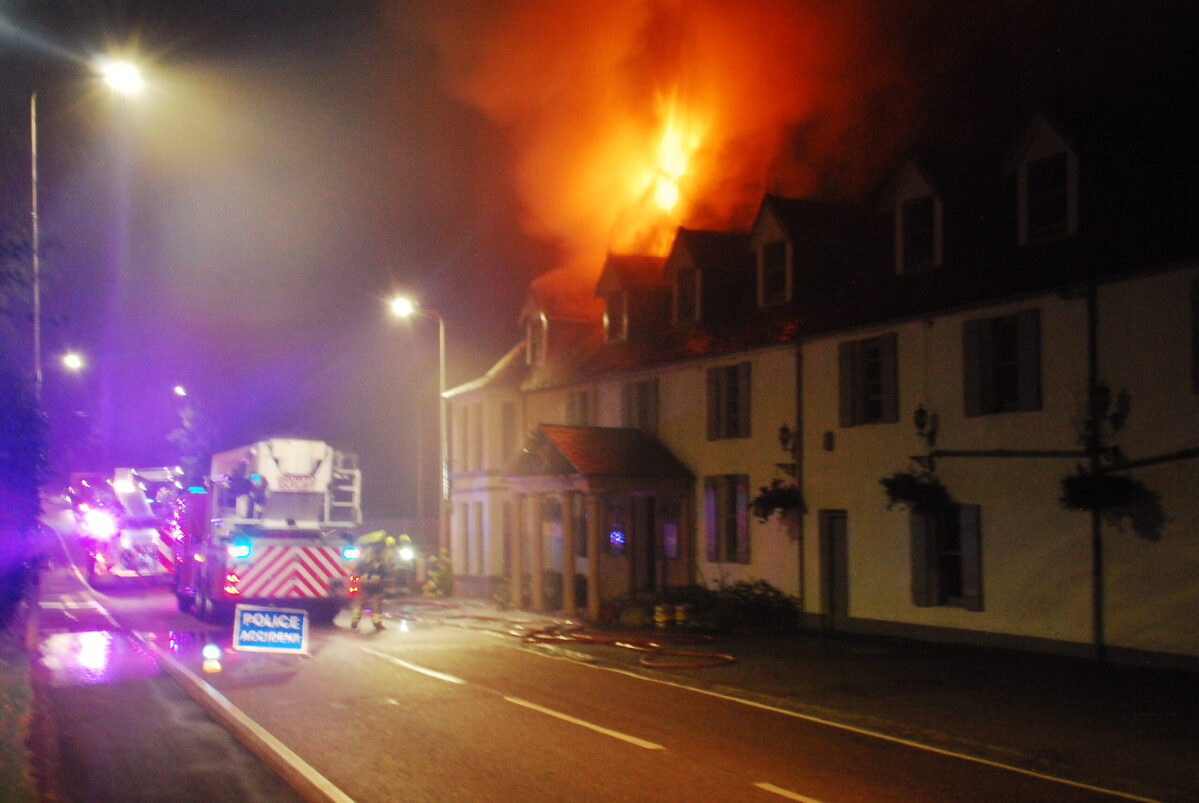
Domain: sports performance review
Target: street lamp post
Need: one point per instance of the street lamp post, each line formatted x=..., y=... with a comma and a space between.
x=405, y=307
x=122, y=77
x=35, y=245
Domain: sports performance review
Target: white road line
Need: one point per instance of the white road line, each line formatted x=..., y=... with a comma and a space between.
x=787, y=793
x=585, y=724
x=87, y=590
x=863, y=731
x=433, y=673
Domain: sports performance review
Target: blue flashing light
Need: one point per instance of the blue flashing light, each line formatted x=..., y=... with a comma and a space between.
x=255, y=477
x=616, y=538
x=211, y=652
x=196, y=489
x=239, y=549
x=350, y=552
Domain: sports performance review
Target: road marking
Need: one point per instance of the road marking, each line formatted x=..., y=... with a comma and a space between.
x=433, y=673
x=863, y=731
x=87, y=590
x=584, y=723
x=787, y=793
x=67, y=605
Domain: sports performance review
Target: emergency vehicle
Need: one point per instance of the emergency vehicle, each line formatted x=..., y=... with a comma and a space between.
x=270, y=526
x=126, y=524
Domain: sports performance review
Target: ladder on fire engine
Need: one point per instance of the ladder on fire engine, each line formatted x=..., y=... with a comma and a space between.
x=342, y=503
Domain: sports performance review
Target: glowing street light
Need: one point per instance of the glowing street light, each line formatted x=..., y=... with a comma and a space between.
x=122, y=77
x=405, y=307
x=179, y=390
x=73, y=361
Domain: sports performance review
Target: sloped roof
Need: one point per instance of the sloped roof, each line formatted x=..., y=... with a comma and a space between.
x=629, y=271
x=595, y=452
x=711, y=251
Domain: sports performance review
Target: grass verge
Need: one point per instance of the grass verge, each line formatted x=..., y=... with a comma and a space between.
x=16, y=712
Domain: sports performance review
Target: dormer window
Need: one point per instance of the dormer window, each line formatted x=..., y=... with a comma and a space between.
x=918, y=234
x=1045, y=166
x=535, y=339
x=616, y=316
x=1047, y=197
x=686, y=296
x=774, y=278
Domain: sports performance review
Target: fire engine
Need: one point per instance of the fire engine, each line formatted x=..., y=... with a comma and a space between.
x=270, y=526
x=126, y=524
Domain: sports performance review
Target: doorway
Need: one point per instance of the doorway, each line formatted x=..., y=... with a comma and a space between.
x=834, y=567
x=642, y=552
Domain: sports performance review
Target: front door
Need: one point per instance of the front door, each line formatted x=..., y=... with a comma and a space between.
x=834, y=567
x=642, y=534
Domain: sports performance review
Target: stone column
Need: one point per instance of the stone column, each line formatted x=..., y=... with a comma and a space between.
x=593, y=557
x=688, y=537
x=569, y=548
x=537, y=560
x=516, y=570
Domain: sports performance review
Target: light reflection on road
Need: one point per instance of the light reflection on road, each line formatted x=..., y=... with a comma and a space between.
x=94, y=656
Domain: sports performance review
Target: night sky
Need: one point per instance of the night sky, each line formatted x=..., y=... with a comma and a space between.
x=293, y=163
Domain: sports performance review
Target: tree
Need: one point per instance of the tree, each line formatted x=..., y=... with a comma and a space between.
x=23, y=466
x=194, y=442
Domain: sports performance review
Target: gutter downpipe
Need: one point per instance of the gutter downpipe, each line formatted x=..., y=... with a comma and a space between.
x=1099, y=649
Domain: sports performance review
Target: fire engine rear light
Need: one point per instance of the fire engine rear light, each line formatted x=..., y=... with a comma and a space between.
x=231, y=581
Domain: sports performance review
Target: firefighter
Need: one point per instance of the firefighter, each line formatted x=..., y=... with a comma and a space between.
x=374, y=568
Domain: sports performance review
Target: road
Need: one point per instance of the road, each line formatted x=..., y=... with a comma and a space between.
x=432, y=710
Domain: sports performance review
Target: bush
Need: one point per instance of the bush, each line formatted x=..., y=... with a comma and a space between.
x=744, y=605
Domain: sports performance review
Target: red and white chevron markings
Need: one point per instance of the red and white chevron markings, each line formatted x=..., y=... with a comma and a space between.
x=289, y=572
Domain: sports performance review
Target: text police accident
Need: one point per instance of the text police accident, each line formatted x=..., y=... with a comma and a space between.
x=270, y=630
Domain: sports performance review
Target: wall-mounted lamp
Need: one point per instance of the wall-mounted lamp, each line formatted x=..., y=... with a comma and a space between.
x=926, y=424
x=789, y=442
x=785, y=437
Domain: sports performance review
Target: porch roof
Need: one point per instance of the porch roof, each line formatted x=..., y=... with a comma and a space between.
x=595, y=452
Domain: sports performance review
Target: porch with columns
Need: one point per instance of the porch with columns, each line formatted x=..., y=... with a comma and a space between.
x=616, y=492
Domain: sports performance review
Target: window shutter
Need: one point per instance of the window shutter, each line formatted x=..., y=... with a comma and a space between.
x=971, y=535
x=889, y=347
x=1195, y=335
x=924, y=587
x=711, y=486
x=845, y=374
x=972, y=367
x=651, y=406
x=1028, y=325
x=713, y=404
x=742, y=500
x=744, y=393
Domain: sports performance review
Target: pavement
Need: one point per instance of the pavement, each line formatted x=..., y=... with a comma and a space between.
x=1122, y=728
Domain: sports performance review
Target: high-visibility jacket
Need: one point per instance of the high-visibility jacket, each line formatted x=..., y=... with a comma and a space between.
x=374, y=572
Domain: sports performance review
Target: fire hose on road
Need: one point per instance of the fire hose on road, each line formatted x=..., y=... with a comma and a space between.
x=659, y=650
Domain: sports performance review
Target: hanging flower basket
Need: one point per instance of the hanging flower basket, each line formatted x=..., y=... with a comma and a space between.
x=777, y=496
x=1116, y=497
x=920, y=492
x=1086, y=491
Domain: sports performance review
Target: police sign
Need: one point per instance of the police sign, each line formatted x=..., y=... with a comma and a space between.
x=258, y=629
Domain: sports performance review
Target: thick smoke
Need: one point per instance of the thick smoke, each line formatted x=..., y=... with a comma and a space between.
x=764, y=96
